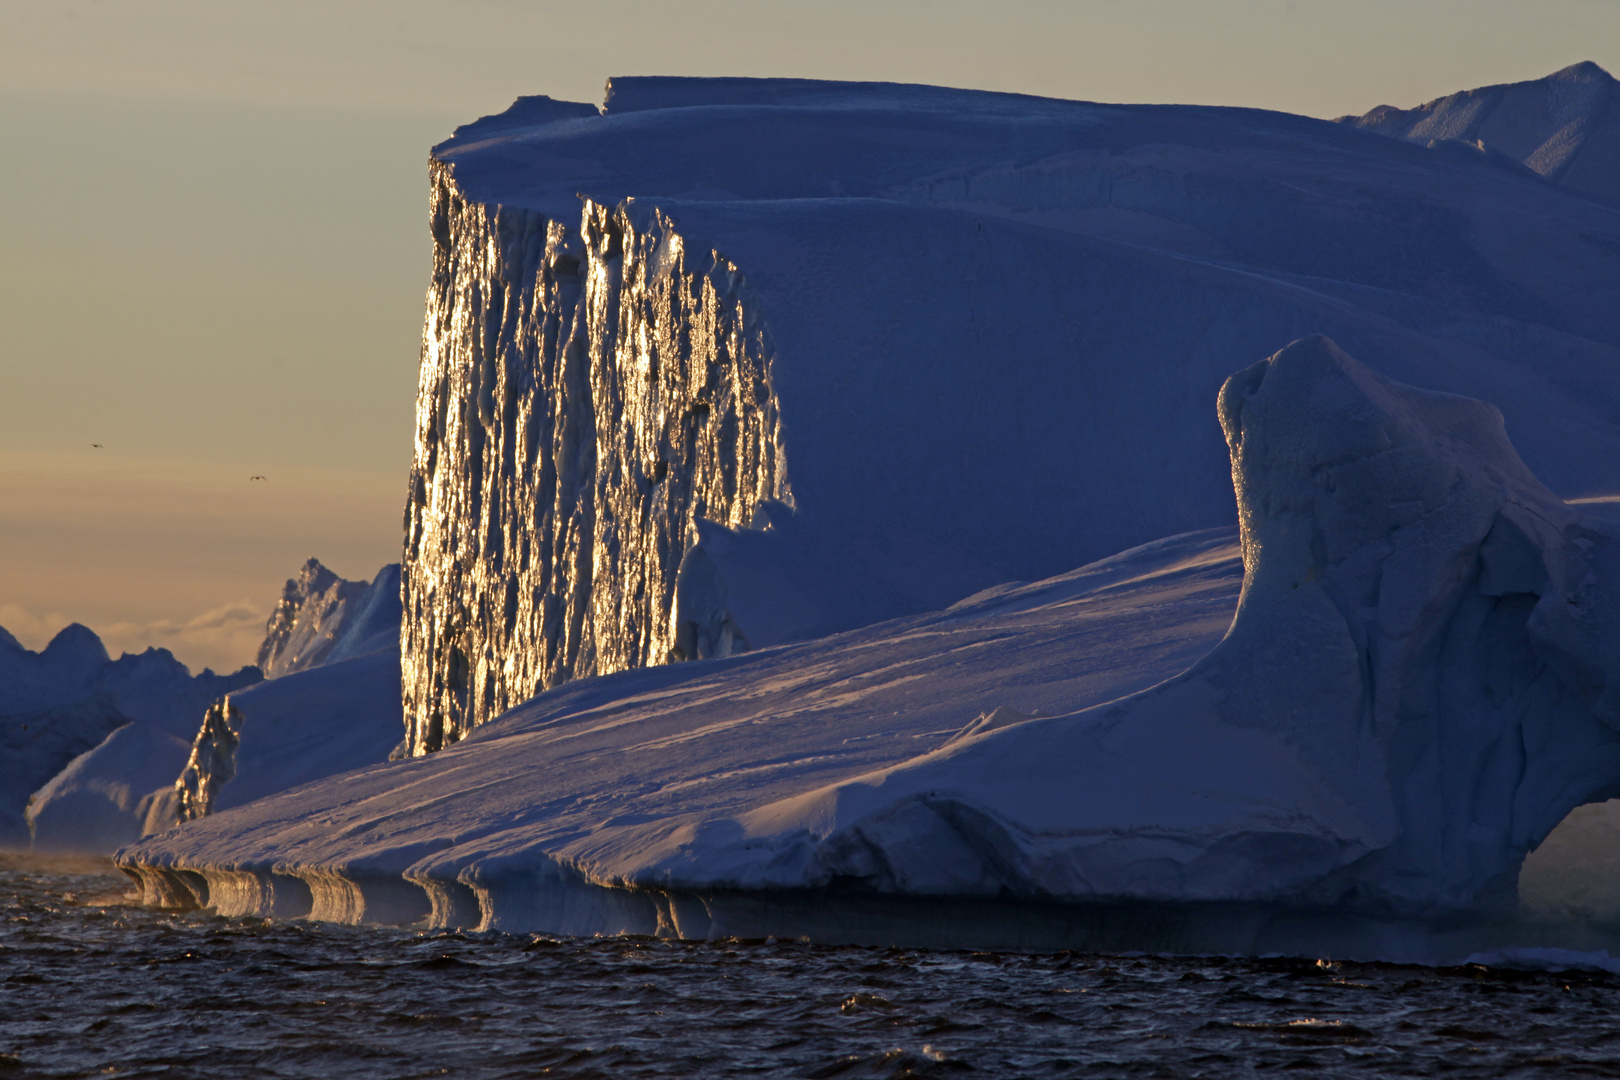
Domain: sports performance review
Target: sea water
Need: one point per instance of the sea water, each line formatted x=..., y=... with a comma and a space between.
x=91, y=985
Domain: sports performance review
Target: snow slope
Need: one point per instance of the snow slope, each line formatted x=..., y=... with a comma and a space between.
x=743, y=362
x=1418, y=684
x=1565, y=127
x=688, y=740
x=63, y=701
x=101, y=800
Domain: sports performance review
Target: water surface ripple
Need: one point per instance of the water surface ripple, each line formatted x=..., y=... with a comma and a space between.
x=91, y=986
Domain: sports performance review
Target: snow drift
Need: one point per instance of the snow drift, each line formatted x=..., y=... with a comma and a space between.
x=734, y=363
x=1417, y=685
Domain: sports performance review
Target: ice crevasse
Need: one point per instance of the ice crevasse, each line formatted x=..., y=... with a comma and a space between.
x=1419, y=682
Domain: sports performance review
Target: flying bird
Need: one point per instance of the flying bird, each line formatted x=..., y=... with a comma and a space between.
x=266, y=478
x=96, y=445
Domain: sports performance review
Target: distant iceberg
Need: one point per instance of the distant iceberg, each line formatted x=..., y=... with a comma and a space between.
x=66, y=699
x=332, y=703
x=322, y=618
x=1565, y=127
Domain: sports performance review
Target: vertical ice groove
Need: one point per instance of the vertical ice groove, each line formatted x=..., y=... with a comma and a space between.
x=588, y=390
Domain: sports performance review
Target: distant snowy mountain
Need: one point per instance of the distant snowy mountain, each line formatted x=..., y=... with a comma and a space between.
x=1565, y=127
x=739, y=362
x=322, y=618
x=119, y=741
x=63, y=701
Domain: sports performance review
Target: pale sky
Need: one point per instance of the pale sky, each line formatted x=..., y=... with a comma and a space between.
x=213, y=241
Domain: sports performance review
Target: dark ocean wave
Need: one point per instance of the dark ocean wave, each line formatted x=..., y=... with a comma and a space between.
x=92, y=986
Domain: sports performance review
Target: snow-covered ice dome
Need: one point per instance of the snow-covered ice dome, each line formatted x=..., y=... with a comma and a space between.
x=102, y=799
x=1418, y=684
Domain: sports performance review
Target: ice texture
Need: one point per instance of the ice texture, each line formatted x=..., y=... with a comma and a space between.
x=736, y=363
x=65, y=700
x=1565, y=127
x=322, y=617
x=1418, y=683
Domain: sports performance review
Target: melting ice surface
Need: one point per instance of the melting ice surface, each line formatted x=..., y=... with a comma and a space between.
x=1416, y=687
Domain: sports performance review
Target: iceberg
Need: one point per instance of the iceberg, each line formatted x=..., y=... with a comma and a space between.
x=322, y=618
x=104, y=797
x=332, y=702
x=1341, y=730
x=284, y=732
x=67, y=699
x=729, y=364
x=1565, y=127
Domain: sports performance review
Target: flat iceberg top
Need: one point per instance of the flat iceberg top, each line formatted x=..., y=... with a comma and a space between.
x=748, y=139
x=984, y=202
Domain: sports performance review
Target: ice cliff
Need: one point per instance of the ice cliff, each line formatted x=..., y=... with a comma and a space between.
x=61, y=702
x=1565, y=127
x=1418, y=683
x=732, y=363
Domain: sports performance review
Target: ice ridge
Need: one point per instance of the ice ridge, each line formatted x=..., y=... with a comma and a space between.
x=1565, y=127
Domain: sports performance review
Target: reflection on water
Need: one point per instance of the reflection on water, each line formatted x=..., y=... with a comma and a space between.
x=92, y=987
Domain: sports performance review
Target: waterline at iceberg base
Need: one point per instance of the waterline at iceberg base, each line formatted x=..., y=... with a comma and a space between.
x=1416, y=687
